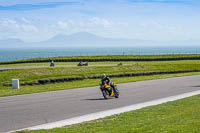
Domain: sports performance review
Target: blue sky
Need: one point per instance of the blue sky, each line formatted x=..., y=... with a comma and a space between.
x=39, y=20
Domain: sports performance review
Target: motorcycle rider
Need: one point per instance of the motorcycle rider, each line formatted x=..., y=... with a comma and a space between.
x=106, y=79
x=52, y=63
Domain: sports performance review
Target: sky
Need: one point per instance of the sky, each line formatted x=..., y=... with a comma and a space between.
x=159, y=20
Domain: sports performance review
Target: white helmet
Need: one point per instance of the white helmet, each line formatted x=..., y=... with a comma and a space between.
x=104, y=76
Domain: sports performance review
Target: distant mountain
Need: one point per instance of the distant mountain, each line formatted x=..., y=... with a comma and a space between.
x=77, y=39
x=82, y=39
x=85, y=39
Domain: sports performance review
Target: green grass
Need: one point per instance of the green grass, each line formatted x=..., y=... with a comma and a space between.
x=7, y=91
x=63, y=63
x=31, y=75
x=116, y=57
x=181, y=116
x=39, y=64
x=34, y=74
x=103, y=63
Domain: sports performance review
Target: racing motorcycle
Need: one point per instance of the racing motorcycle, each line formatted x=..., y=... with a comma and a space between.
x=52, y=64
x=82, y=64
x=109, y=91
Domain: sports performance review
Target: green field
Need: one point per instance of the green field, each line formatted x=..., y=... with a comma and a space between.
x=65, y=63
x=173, y=56
x=122, y=57
x=7, y=91
x=31, y=75
x=181, y=116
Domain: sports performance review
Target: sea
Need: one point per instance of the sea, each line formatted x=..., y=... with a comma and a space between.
x=13, y=54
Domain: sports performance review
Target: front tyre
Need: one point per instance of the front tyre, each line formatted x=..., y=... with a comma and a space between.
x=116, y=91
x=105, y=94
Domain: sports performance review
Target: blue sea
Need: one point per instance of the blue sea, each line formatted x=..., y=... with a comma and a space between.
x=18, y=54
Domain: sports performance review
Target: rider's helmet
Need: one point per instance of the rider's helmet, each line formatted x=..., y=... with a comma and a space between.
x=104, y=76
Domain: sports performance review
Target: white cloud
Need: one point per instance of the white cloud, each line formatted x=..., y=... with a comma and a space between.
x=7, y=22
x=28, y=28
x=13, y=25
x=12, y=28
x=25, y=20
x=100, y=22
x=93, y=24
x=62, y=25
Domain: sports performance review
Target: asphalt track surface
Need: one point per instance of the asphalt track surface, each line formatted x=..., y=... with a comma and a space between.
x=43, y=66
x=18, y=112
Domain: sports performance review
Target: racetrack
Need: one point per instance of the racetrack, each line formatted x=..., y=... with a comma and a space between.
x=17, y=112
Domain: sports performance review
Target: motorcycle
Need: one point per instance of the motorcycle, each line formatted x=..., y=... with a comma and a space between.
x=52, y=64
x=82, y=64
x=109, y=91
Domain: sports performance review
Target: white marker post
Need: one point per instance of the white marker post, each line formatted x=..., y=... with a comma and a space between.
x=15, y=83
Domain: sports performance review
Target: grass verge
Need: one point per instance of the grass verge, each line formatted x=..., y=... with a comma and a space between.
x=35, y=74
x=7, y=91
x=181, y=116
x=66, y=63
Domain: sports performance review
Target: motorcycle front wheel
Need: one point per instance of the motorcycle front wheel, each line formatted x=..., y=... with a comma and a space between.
x=116, y=91
x=105, y=94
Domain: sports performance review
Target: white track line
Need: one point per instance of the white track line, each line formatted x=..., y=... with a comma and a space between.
x=102, y=114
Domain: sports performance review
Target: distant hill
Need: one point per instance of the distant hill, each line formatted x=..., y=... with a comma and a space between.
x=76, y=40
x=82, y=39
x=85, y=39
